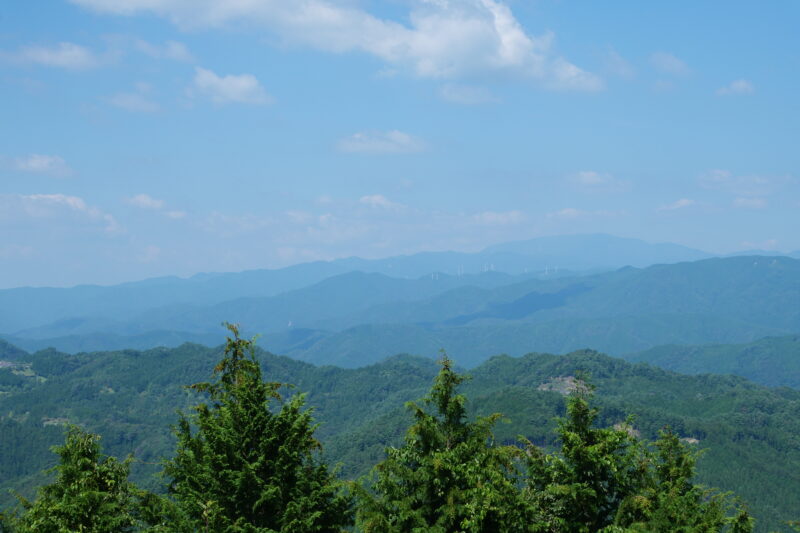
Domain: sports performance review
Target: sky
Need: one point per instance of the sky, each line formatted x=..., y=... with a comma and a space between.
x=143, y=138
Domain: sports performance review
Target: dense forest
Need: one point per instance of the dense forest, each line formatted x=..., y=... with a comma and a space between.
x=130, y=399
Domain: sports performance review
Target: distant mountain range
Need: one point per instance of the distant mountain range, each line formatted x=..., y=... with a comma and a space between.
x=27, y=307
x=554, y=294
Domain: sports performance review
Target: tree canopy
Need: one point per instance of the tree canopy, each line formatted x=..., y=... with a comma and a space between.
x=251, y=464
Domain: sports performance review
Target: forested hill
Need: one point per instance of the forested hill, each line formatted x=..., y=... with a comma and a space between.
x=359, y=318
x=130, y=397
x=772, y=361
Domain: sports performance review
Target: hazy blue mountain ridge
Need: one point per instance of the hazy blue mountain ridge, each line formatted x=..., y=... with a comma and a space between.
x=353, y=319
x=27, y=307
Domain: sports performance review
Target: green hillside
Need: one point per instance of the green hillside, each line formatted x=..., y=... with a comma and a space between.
x=130, y=397
x=772, y=361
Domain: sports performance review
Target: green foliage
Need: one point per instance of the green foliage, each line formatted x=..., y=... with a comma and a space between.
x=771, y=361
x=247, y=467
x=130, y=397
x=580, y=488
x=606, y=479
x=670, y=501
x=448, y=476
x=91, y=493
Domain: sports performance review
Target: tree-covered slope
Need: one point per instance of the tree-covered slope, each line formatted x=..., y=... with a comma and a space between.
x=772, y=361
x=130, y=397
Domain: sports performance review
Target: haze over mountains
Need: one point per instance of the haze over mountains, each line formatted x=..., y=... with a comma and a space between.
x=669, y=306
x=553, y=294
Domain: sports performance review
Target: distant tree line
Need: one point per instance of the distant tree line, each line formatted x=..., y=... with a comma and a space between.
x=247, y=462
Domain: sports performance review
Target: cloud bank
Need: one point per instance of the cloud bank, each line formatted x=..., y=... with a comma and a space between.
x=442, y=40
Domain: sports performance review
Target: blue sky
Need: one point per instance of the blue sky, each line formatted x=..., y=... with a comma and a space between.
x=152, y=137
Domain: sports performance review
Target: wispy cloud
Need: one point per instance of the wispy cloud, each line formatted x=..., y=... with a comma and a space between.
x=51, y=165
x=669, y=64
x=381, y=142
x=145, y=201
x=737, y=87
x=592, y=181
x=64, y=55
x=743, y=185
x=618, y=65
x=229, y=89
x=48, y=207
x=136, y=101
x=380, y=201
x=150, y=203
x=678, y=204
x=569, y=213
x=443, y=39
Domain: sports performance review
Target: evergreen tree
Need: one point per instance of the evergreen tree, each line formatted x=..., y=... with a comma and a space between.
x=670, y=501
x=250, y=465
x=449, y=475
x=606, y=479
x=91, y=493
x=580, y=488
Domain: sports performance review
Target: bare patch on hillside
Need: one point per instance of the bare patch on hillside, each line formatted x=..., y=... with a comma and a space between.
x=563, y=385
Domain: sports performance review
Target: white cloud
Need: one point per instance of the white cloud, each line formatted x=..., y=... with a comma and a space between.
x=750, y=203
x=52, y=165
x=716, y=177
x=678, y=204
x=64, y=55
x=381, y=142
x=591, y=181
x=54, y=206
x=380, y=201
x=147, y=202
x=569, y=213
x=499, y=218
x=137, y=101
x=590, y=177
x=240, y=89
x=669, y=64
x=466, y=94
x=737, y=87
x=173, y=50
x=144, y=201
x=743, y=185
x=443, y=39
x=618, y=65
